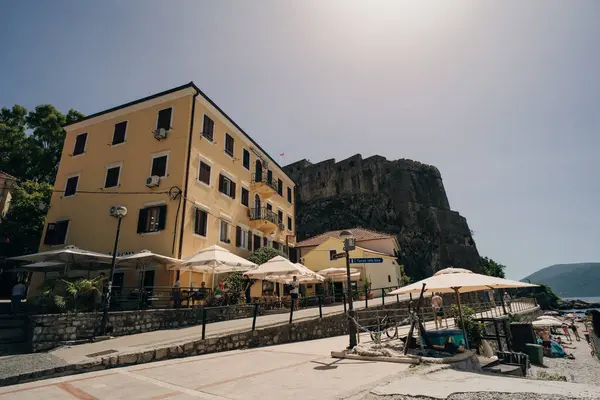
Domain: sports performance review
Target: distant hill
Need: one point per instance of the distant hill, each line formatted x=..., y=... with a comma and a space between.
x=570, y=280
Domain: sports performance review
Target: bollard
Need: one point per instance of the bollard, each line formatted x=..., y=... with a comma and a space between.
x=203, y=322
x=383, y=297
x=344, y=298
x=366, y=300
x=256, y=305
x=320, y=307
x=397, y=299
x=292, y=310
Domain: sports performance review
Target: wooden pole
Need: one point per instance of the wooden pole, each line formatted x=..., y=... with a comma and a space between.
x=462, y=320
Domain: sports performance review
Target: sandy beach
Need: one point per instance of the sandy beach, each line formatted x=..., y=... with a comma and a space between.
x=585, y=368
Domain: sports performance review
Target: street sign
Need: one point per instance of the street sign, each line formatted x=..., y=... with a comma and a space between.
x=338, y=256
x=366, y=260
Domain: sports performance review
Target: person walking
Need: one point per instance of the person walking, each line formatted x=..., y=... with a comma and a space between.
x=507, y=301
x=247, y=285
x=295, y=291
x=18, y=293
x=437, y=303
x=575, y=331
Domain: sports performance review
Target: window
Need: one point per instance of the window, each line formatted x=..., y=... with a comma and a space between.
x=289, y=223
x=270, y=176
x=246, y=159
x=265, y=242
x=56, y=233
x=229, y=144
x=119, y=133
x=80, y=142
x=389, y=278
x=269, y=207
x=224, y=232
x=159, y=166
x=276, y=245
x=245, y=197
x=249, y=240
x=71, y=186
x=331, y=254
x=256, y=242
x=152, y=219
x=280, y=217
x=241, y=237
x=201, y=222
x=204, y=173
x=226, y=186
x=112, y=177
x=208, y=128
x=164, y=119
x=289, y=194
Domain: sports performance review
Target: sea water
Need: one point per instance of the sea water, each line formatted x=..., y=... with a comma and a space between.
x=587, y=299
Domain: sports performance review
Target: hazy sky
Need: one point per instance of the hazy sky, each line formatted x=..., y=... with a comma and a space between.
x=502, y=96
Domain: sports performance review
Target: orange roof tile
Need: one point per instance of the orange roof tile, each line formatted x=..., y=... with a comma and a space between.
x=359, y=233
x=7, y=176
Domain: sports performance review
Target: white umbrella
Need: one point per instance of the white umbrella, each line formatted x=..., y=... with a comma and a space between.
x=278, y=266
x=68, y=255
x=144, y=259
x=545, y=322
x=45, y=266
x=458, y=280
x=305, y=275
x=339, y=274
x=214, y=260
x=545, y=317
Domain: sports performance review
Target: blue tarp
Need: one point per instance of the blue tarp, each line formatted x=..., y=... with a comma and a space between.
x=557, y=350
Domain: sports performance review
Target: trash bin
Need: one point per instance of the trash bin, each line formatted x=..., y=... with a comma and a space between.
x=535, y=353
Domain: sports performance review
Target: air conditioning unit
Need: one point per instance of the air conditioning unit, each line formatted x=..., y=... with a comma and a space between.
x=153, y=181
x=160, y=134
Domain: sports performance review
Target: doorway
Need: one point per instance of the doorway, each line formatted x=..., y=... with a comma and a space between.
x=258, y=171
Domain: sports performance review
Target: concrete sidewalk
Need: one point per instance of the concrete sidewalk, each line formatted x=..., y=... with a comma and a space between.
x=292, y=371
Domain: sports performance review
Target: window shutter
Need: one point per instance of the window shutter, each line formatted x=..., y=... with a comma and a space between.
x=61, y=232
x=249, y=240
x=164, y=119
x=238, y=236
x=143, y=216
x=233, y=190
x=162, y=217
x=221, y=183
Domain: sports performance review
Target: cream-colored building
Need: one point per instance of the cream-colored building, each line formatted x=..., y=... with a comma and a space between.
x=189, y=176
x=316, y=253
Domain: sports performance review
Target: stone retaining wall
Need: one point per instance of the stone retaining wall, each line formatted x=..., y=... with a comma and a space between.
x=49, y=330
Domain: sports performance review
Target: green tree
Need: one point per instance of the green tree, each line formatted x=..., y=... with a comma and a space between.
x=492, y=268
x=264, y=254
x=31, y=141
x=21, y=228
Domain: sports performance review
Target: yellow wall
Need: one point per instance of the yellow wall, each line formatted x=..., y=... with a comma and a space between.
x=92, y=228
x=5, y=195
x=317, y=259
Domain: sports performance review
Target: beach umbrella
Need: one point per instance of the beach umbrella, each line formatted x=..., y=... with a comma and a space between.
x=546, y=323
x=304, y=276
x=548, y=318
x=214, y=260
x=570, y=316
x=459, y=280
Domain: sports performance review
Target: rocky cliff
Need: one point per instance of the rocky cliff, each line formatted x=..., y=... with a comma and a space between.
x=403, y=197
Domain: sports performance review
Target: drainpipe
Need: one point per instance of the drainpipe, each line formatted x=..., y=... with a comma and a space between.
x=187, y=177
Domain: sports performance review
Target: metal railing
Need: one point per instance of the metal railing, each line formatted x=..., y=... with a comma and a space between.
x=263, y=178
x=264, y=214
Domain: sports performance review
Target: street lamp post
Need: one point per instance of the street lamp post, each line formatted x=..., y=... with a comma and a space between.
x=349, y=245
x=118, y=212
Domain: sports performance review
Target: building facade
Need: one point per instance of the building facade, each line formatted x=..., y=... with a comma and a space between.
x=189, y=176
x=316, y=253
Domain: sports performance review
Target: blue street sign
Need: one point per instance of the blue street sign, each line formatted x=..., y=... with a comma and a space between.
x=366, y=260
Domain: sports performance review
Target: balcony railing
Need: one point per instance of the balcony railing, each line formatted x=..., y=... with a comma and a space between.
x=263, y=178
x=264, y=214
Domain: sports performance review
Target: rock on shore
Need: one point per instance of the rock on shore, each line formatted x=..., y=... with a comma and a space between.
x=576, y=305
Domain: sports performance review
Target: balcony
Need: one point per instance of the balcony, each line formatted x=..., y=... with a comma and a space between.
x=264, y=186
x=264, y=220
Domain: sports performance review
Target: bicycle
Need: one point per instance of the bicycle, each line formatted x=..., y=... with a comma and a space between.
x=387, y=325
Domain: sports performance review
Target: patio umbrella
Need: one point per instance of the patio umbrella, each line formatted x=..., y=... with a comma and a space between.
x=458, y=280
x=68, y=255
x=545, y=317
x=278, y=266
x=144, y=259
x=215, y=260
x=339, y=274
x=305, y=275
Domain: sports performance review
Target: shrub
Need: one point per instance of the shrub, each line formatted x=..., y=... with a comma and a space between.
x=474, y=329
